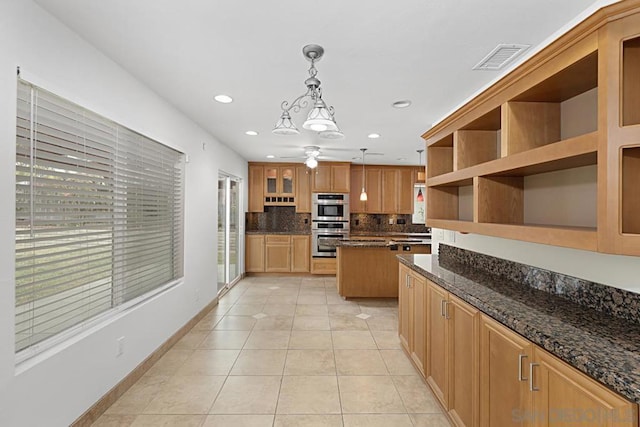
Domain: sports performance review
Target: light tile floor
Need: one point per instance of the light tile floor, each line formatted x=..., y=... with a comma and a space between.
x=284, y=351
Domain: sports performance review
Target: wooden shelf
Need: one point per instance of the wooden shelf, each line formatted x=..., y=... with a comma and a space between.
x=569, y=237
x=567, y=154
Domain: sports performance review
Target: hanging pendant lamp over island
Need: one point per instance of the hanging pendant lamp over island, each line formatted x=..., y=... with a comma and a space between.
x=363, y=194
x=320, y=119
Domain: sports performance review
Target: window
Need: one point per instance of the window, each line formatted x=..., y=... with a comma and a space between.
x=99, y=215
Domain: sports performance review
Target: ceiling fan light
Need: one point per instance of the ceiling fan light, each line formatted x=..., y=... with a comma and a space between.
x=311, y=162
x=285, y=126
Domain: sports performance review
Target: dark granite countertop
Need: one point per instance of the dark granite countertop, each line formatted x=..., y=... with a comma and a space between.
x=351, y=243
x=604, y=347
x=279, y=232
x=390, y=234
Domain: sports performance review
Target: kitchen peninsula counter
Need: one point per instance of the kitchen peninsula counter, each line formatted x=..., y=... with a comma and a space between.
x=603, y=346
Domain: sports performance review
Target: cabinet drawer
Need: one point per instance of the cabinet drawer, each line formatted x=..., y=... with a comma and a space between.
x=272, y=239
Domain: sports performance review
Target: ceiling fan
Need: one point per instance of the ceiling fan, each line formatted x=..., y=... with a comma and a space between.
x=311, y=155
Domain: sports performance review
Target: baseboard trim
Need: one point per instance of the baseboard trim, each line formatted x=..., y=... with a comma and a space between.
x=98, y=408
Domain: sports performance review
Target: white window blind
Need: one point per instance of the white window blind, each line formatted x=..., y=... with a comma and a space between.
x=99, y=215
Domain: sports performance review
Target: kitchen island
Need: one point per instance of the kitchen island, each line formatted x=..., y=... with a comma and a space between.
x=369, y=268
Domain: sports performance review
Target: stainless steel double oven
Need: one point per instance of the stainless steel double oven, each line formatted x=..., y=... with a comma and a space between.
x=329, y=220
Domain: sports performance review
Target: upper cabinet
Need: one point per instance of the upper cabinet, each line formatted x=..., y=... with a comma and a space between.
x=279, y=184
x=331, y=178
x=256, y=188
x=389, y=189
x=551, y=153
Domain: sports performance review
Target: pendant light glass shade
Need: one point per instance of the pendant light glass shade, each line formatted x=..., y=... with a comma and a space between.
x=420, y=196
x=320, y=118
x=363, y=195
x=285, y=126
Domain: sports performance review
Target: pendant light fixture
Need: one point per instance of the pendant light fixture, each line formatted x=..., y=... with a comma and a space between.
x=421, y=174
x=320, y=119
x=363, y=194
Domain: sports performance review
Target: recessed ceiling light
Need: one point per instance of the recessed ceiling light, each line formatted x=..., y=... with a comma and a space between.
x=223, y=99
x=373, y=135
x=401, y=104
x=251, y=132
x=270, y=156
x=401, y=159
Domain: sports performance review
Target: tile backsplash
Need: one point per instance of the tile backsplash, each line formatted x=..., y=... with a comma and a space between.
x=607, y=299
x=361, y=223
x=278, y=219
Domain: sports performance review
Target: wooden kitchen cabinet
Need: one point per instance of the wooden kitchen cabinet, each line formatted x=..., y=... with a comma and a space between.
x=254, y=253
x=485, y=374
x=277, y=254
x=303, y=189
x=452, y=354
x=405, y=177
x=279, y=181
x=462, y=353
x=300, y=253
x=412, y=311
x=437, y=364
x=564, y=396
x=331, y=178
x=373, y=176
x=504, y=387
x=256, y=188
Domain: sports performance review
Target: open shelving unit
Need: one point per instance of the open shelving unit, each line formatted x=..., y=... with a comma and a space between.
x=551, y=152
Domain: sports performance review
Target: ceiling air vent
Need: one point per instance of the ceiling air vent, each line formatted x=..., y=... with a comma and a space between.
x=501, y=56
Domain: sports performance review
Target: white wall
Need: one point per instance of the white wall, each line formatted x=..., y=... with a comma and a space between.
x=65, y=382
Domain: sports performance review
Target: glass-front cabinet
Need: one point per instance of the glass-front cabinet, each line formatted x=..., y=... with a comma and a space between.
x=279, y=185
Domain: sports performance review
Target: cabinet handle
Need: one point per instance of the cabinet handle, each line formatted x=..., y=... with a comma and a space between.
x=520, y=358
x=407, y=282
x=442, y=303
x=446, y=310
x=531, y=386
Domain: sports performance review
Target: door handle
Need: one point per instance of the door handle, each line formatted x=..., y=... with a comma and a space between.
x=531, y=386
x=520, y=358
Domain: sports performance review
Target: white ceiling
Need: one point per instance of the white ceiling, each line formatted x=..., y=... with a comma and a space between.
x=376, y=52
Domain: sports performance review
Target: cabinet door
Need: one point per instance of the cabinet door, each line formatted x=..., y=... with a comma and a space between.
x=277, y=254
x=418, y=300
x=464, y=321
x=321, y=179
x=256, y=188
x=619, y=158
x=254, y=252
x=340, y=180
x=504, y=388
x=374, y=190
x=300, y=254
x=564, y=396
x=389, y=189
x=303, y=189
x=404, y=191
x=404, y=319
x=437, y=342
x=271, y=180
x=286, y=184
x=355, y=205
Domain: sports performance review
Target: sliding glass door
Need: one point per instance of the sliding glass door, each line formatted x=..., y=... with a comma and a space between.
x=229, y=192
